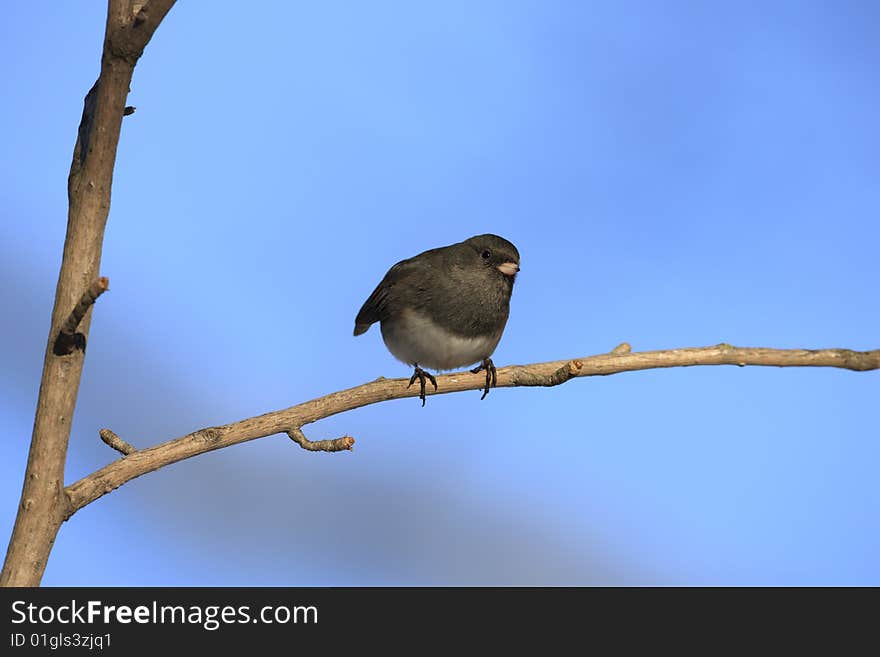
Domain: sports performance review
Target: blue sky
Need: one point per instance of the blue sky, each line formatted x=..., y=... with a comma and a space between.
x=673, y=174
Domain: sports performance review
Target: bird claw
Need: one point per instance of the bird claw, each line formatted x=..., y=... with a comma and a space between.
x=422, y=375
x=491, y=375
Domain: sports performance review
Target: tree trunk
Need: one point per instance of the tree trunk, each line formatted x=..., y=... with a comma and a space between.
x=44, y=504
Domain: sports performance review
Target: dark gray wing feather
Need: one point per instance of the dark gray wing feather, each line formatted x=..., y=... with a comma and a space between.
x=372, y=310
x=376, y=307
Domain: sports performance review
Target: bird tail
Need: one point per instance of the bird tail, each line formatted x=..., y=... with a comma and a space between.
x=361, y=328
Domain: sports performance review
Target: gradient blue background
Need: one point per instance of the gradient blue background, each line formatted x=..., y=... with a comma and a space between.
x=674, y=174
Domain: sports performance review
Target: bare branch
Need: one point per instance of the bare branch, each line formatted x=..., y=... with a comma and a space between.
x=116, y=442
x=130, y=27
x=68, y=339
x=89, y=297
x=93, y=486
x=334, y=445
x=44, y=505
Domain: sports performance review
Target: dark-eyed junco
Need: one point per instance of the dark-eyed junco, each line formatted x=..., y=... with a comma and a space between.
x=445, y=308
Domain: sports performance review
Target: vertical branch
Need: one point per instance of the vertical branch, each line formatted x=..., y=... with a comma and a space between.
x=130, y=25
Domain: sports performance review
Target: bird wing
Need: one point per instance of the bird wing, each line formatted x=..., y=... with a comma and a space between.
x=376, y=308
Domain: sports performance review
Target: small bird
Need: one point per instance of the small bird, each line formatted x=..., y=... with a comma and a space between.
x=445, y=308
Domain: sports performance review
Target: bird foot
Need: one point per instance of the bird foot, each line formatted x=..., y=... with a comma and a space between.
x=422, y=376
x=491, y=375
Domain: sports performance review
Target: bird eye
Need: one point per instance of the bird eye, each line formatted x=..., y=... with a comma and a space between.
x=486, y=254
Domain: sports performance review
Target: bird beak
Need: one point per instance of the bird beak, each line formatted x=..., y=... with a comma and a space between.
x=508, y=268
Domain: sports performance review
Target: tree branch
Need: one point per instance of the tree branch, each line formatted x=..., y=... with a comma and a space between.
x=44, y=505
x=116, y=442
x=131, y=24
x=290, y=420
x=334, y=445
x=68, y=339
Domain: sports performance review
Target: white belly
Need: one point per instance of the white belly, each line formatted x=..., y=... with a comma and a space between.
x=415, y=339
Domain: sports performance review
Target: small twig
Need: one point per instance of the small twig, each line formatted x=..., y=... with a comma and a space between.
x=116, y=442
x=68, y=339
x=129, y=110
x=334, y=445
x=89, y=297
